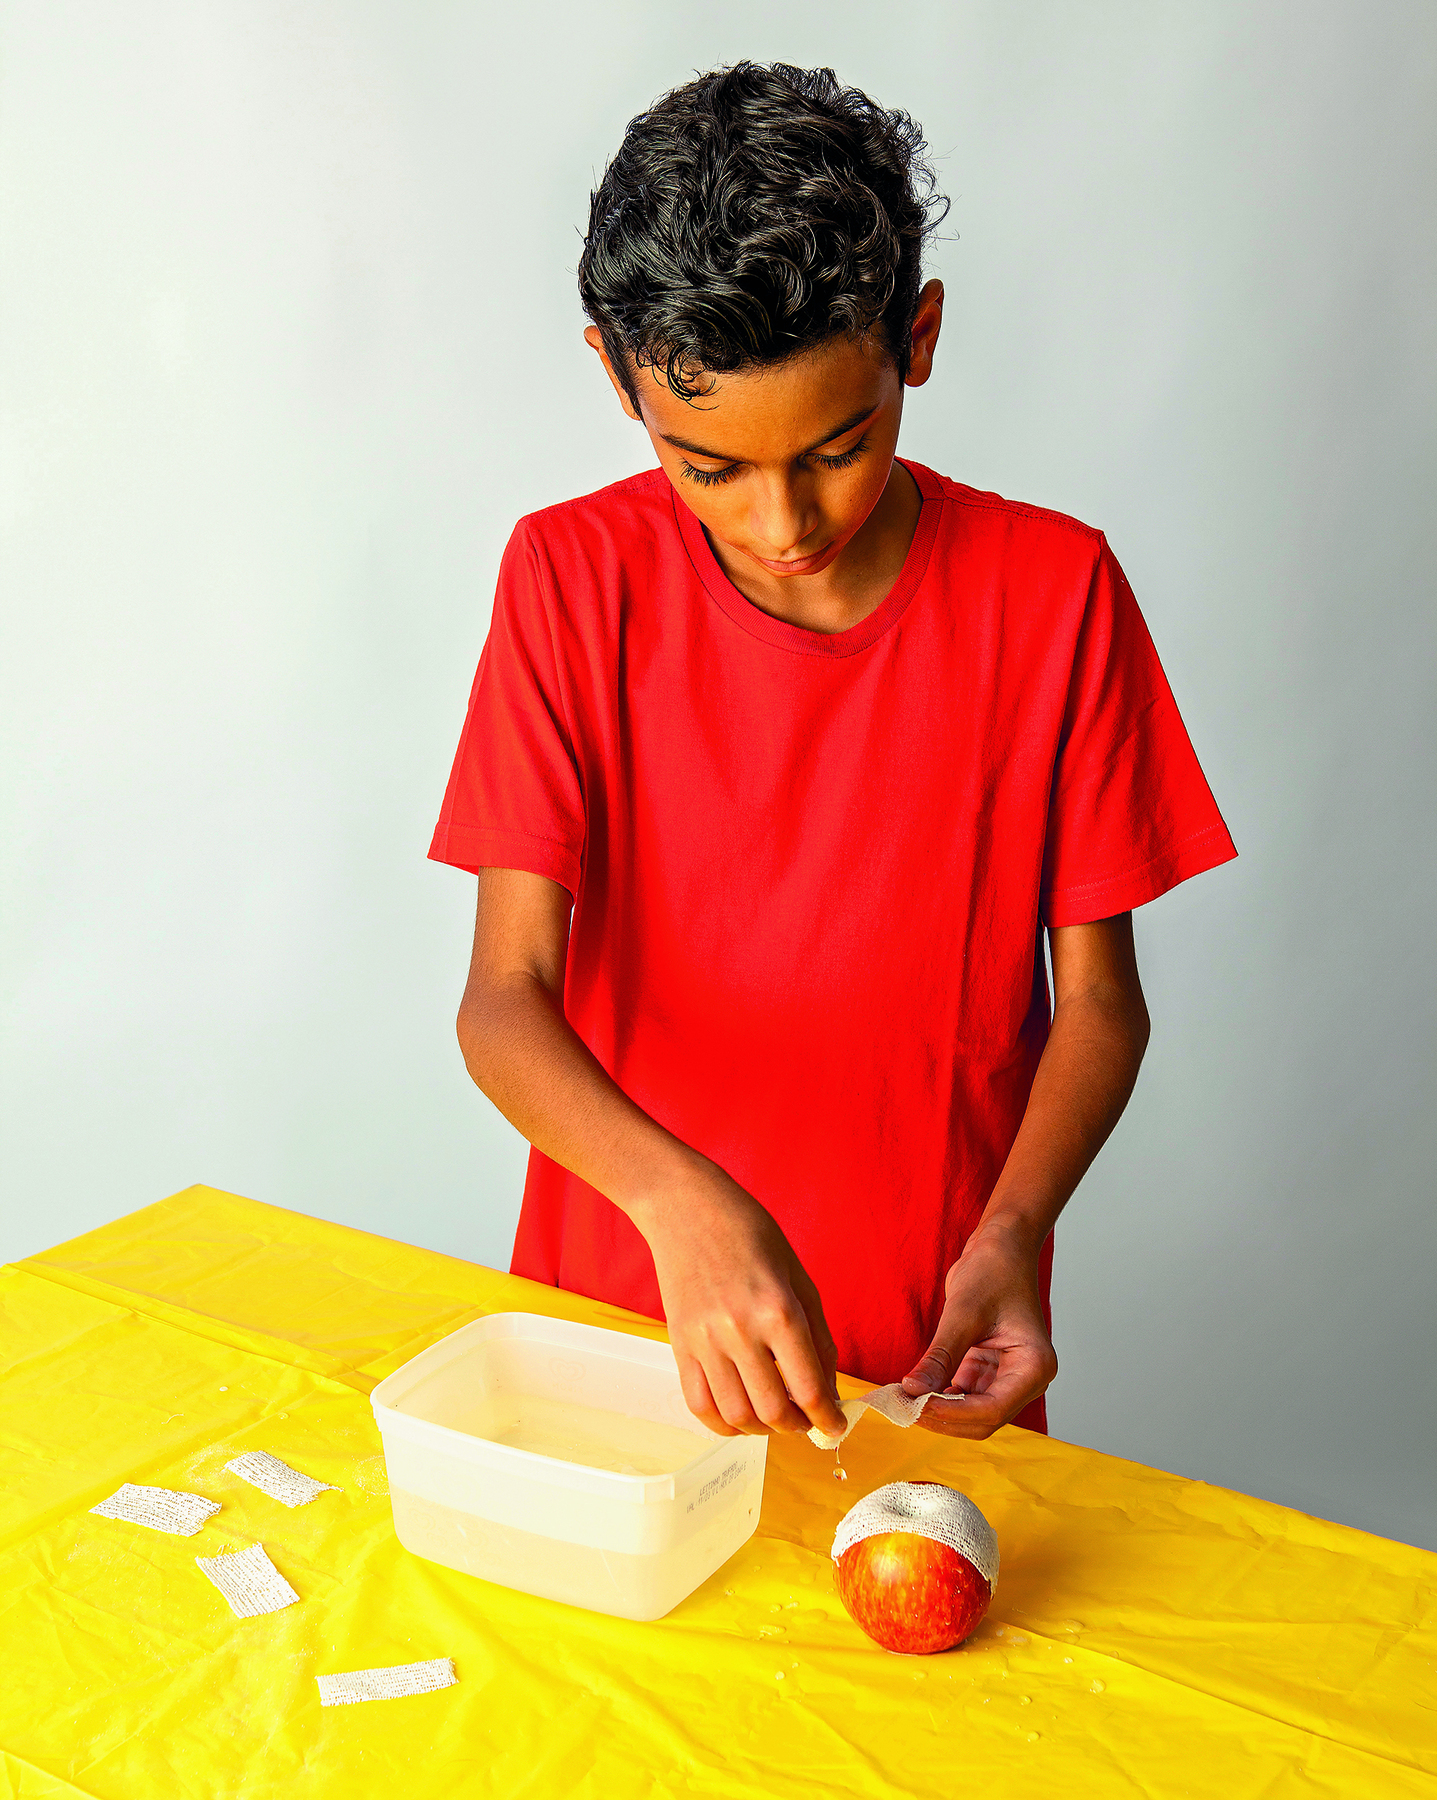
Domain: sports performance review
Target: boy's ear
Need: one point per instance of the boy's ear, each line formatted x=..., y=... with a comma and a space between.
x=927, y=323
x=596, y=343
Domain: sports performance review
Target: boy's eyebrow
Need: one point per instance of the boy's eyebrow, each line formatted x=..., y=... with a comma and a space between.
x=858, y=418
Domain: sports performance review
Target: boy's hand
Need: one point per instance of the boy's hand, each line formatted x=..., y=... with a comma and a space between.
x=991, y=1344
x=745, y=1321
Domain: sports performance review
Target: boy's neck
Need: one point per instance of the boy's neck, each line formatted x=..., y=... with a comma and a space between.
x=855, y=583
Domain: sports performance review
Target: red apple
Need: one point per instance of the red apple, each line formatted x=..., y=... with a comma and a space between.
x=908, y=1590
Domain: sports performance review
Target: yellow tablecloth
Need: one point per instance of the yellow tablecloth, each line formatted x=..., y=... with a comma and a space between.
x=1149, y=1636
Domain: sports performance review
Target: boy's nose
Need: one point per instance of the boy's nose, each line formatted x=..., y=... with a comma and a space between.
x=781, y=521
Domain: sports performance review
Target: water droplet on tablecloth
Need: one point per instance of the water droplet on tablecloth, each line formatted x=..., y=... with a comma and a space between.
x=1097, y=1687
x=1033, y=1736
x=1026, y=1700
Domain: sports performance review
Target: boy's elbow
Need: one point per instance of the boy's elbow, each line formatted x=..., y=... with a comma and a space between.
x=1140, y=1028
x=495, y=1023
x=474, y=1030
x=1135, y=1029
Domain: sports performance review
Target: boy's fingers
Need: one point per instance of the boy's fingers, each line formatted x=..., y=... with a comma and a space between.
x=821, y=1402
x=809, y=1382
x=732, y=1398
x=698, y=1397
x=976, y=1371
x=768, y=1394
x=822, y=1338
x=957, y=1330
x=974, y=1416
x=827, y=1351
x=1022, y=1375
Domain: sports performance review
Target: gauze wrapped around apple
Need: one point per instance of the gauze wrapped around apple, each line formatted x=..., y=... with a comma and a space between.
x=916, y=1564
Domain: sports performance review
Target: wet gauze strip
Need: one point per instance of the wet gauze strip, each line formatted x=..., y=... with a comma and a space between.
x=896, y=1404
x=392, y=1683
x=277, y=1479
x=162, y=1509
x=249, y=1581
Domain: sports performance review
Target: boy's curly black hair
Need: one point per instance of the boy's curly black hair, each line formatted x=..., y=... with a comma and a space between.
x=751, y=214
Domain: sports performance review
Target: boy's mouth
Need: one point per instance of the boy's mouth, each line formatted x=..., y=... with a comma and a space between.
x=795, y=565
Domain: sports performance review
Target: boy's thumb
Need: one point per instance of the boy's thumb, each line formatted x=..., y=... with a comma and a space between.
x=941, y=1362
x=931, y=1375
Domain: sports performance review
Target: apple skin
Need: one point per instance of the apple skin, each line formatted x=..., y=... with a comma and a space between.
x=910, y=1593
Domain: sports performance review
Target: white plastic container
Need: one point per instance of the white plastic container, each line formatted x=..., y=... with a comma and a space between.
x=631, y=1544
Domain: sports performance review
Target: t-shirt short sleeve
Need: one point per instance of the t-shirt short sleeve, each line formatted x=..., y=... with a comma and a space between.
x=515, y=799
x=1130, y=814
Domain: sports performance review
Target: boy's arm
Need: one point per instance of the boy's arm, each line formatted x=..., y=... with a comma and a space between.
x=744, y=1319
x=991, y=1341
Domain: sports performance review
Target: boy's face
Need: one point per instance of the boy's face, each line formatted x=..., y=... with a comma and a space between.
x=785, y=463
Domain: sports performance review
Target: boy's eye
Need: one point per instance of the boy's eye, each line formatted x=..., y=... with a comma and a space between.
x=713, y=477
x=709, y=477
x=845, y=457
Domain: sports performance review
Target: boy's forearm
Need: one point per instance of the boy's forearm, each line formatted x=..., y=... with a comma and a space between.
x=528, y=1059
x=991, y=1354
x=1084, y=1080
x=754, y=1351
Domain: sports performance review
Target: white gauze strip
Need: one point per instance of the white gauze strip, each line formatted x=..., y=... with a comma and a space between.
x=897, y=1406
x=162, y=1509
x=392, y=1683
x=277, y=1479
x=249, y=1581
x=928, y=1509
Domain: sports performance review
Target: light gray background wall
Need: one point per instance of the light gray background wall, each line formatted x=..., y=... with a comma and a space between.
x=289, y=340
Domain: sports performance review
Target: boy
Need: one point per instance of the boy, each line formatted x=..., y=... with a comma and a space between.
x=814, y=745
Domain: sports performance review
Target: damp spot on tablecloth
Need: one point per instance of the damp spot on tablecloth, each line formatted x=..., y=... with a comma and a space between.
x=371, y=1477
x=205, y=1473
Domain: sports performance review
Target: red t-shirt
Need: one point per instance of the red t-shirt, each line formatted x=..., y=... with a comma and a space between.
x=810, y=873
